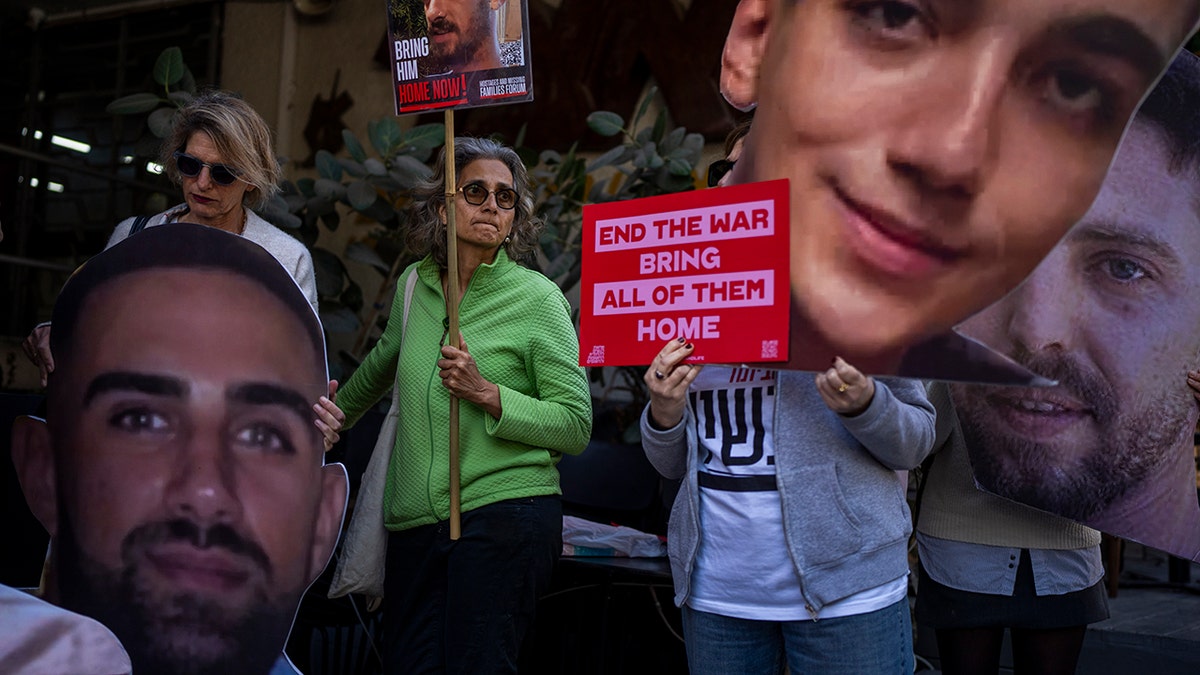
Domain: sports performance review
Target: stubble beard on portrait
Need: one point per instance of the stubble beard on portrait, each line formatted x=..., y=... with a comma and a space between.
x=172, y=630
x=468, y=43
x=1082, y=484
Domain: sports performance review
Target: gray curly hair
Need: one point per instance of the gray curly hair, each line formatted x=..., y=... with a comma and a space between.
x=428, y=233
x=239, y=133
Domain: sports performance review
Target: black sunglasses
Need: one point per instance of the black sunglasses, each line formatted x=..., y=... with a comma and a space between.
x=476, y=195
x=718, y=169
x=190, y=166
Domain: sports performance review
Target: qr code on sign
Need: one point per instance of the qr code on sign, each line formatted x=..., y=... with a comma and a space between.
x=770, y=349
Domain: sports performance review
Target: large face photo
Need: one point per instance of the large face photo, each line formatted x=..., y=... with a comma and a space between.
x=936, y=151
x=179, y=470
x=1113, y=315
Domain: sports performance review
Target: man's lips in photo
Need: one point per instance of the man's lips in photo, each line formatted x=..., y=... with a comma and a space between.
x=895, y=245
x=1038, y=414
x=207, y=570
x=439, y=28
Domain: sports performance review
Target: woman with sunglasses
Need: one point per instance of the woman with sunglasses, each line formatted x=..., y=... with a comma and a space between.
x=463, y=606
x=220, y=154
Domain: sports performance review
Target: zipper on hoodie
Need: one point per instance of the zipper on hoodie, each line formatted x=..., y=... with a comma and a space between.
x=780, y=489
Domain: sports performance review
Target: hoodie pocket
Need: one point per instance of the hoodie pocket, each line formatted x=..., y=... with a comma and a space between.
x=824, y=528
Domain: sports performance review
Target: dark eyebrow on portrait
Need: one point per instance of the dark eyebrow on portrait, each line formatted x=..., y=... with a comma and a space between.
x=1112, y=36
x=481, y=183
x=155, y=385
x=261, y=393
x=1116, y=236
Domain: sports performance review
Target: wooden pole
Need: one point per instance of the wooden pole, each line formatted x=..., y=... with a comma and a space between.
x=452, y=313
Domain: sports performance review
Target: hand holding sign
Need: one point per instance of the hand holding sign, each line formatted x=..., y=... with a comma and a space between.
x=668, y=379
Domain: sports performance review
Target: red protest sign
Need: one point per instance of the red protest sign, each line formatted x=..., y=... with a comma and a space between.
x=459, y=54
x=710, y=266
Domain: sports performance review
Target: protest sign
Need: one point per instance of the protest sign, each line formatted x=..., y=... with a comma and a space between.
x=459, y=53
x=708, y=266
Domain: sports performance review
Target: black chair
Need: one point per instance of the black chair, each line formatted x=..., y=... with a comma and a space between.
x=612, y=483
x=608, y=615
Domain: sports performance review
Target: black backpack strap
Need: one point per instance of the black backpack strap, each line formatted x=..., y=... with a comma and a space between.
x=139, y=224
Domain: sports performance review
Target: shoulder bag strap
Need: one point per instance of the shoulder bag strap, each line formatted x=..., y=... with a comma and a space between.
x=139, y=224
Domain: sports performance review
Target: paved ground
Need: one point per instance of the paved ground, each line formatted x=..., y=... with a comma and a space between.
x=1153, y=628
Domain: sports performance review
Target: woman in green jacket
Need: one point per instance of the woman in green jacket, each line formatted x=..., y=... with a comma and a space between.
x=463, y=606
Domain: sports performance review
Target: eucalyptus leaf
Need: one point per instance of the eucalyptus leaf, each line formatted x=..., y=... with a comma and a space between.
x=660, y=125
x=276, y=213
x=426, y=136
x=375, y=167
x=615, y=155
x=679, y=167
x=305, y=186
x=650, y=151
x=670, y=182
x=352, y=167
x=673, y=139
x=160, y=121
x=360, y=252
x=332, y=189
x=188, y=81
x=605, y=123
x=646, y=100
x=181, y=97
x=361, y=195
x=328, y=166
x=353, y=146
x=331, y=220
x=294, y=202
x=411, y=169
x=385, y=135
x=168, y=69
x=388, y=183
x=330, y=272
x=133, y=104
x=598, y=195
x=317, y=206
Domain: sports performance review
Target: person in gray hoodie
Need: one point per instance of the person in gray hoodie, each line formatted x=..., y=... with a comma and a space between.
x=788, y=536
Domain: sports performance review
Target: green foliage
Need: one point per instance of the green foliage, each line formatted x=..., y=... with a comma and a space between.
x=375, y=183
x=178, y=88
x=169, y=68
x=406, y=16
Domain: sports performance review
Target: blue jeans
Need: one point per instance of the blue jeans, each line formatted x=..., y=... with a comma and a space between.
x=464, y=606
x=876, y=643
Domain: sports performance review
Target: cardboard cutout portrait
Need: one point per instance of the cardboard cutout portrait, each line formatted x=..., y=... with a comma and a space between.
x=179, y=471
x=1113, y=315
x=459, y=53
x=935, y=152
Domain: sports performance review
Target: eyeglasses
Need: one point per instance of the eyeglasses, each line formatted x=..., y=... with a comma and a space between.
x=190, y=166
x=476, y=195
x=718, y=169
